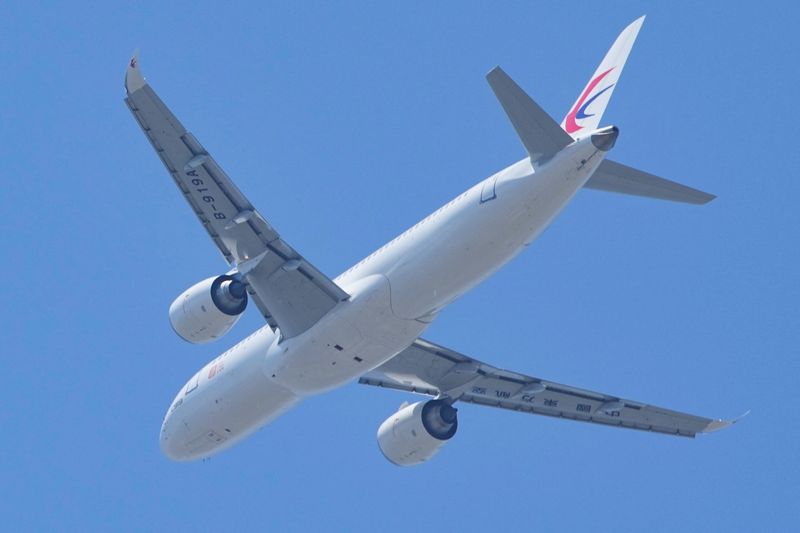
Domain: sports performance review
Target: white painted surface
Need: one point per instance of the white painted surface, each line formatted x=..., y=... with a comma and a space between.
x=412, y=277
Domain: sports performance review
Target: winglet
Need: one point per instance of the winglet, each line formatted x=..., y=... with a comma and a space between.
x=133, y=76
x=716, y=425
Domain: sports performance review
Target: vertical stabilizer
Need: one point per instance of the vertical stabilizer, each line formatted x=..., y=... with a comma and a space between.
x=585, y=114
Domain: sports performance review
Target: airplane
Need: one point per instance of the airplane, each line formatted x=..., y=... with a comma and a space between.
x=365, y=324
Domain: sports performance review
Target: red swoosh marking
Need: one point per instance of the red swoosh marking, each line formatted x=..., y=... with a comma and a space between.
x=569, y=122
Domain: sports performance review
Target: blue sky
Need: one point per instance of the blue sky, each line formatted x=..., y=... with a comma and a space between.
x=345, y=125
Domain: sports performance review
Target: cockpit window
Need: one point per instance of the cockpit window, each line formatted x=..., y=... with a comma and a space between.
x=176, y=404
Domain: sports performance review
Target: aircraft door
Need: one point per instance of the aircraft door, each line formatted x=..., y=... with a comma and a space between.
x=193, y=383
x=488, y=191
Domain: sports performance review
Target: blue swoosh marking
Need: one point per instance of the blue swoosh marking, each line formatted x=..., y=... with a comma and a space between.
x=581, y=114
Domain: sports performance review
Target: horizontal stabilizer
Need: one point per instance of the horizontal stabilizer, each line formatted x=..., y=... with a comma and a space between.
x=616, y=177
x=539, y=133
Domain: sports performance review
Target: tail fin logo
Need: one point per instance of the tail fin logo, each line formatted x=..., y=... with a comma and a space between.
x=579, y=111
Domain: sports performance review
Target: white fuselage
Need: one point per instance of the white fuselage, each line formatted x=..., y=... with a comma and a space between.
x=396, y=292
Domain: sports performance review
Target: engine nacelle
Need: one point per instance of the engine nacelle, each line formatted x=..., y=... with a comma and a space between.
x=209, y=309
x=416, y=432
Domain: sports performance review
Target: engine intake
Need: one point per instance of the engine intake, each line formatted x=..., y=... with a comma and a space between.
x=417, y=432
x=209, y=309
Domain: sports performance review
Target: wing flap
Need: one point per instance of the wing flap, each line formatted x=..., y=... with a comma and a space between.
x=432, y=370
x=295, y=298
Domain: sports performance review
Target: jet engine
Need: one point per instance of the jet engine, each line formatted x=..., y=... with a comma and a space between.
x=209, y=309
x=416, y=432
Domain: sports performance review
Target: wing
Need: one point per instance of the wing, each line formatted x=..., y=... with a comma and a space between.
x=288, y=290
x=426, y=368
x=616, y=177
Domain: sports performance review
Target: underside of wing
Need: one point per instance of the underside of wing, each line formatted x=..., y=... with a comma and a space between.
x=289, y=291
x=539, y=133
x=426, y=368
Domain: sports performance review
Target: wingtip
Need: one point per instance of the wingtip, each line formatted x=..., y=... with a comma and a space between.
x=711, y=198
x=717, y=425
x=494, y=72
x=133, y=75
x=703, y=198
